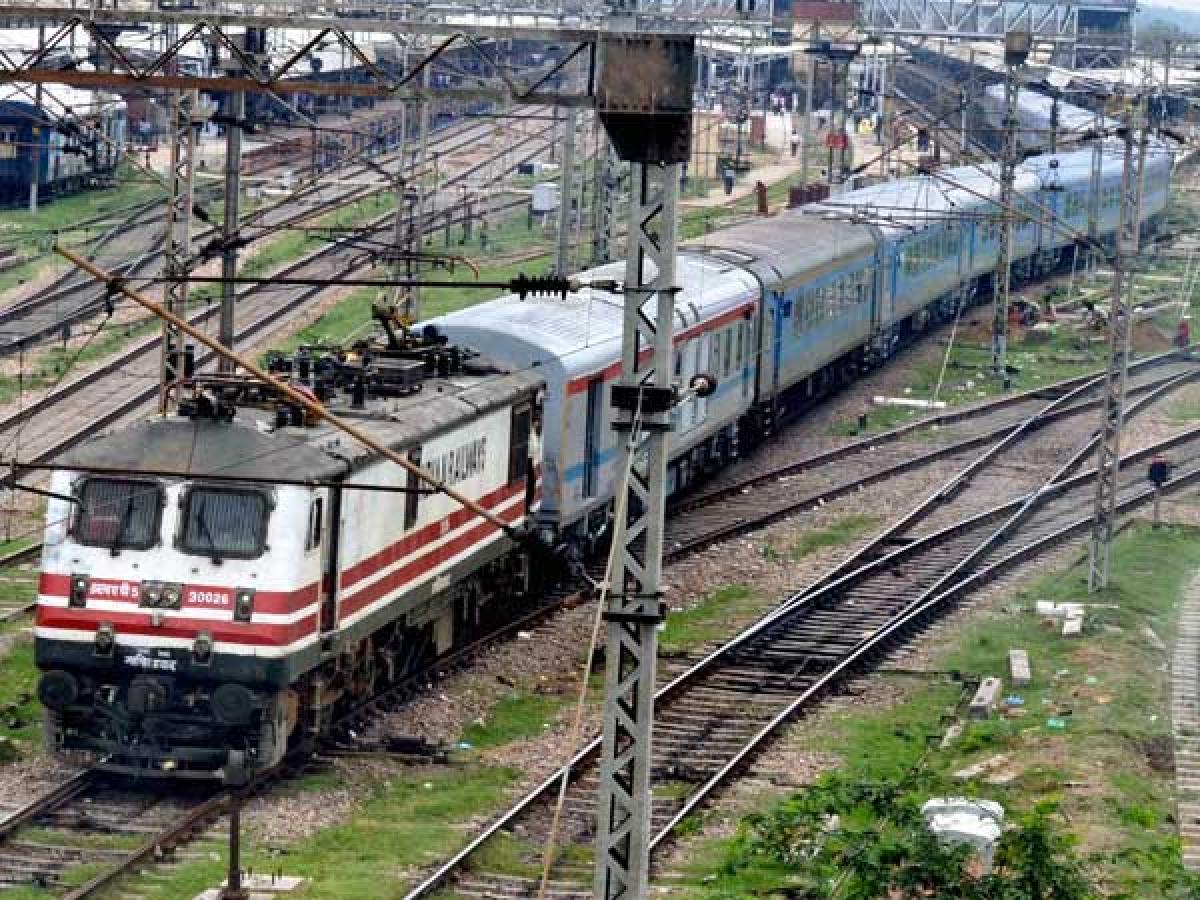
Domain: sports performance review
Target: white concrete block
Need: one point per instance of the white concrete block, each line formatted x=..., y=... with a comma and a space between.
x=986, y=698
x=1073, y=625
x=1018, y=668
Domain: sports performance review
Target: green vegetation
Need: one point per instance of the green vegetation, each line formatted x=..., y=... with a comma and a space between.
x=32, y=234
x=514, y=718
x=405, y=822
x=708, y=620
x=1107, y=774
x=843, y=531
x=20, y=714
x=509, y=855
x=969, y=379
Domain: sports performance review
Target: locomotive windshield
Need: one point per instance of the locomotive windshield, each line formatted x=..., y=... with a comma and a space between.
x=220, y=523
x=119, y=513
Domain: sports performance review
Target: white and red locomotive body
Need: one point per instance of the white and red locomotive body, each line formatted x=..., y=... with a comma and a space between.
x=214, y=603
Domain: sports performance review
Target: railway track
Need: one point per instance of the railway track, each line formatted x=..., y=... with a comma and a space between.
x=710, y=714
x=131, y=249
x=713, y=718
x=749, y=503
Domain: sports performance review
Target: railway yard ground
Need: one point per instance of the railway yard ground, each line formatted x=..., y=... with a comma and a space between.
x=1085, y=750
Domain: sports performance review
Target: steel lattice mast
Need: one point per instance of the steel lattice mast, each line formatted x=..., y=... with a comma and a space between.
x=643, y=404
x=178, y=245
x=1108, y=459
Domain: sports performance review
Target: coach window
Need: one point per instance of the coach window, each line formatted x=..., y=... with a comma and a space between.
x=119, y=513
x=221, y=522
x=518, y=446
x=728, y=351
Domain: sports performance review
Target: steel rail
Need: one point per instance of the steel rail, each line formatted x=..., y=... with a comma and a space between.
x=949, y=417
x=912, y=613
x=34, y=809
x=733, y=529
x=453, y=137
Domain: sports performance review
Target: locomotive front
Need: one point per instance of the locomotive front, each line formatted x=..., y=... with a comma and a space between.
x=174, y=614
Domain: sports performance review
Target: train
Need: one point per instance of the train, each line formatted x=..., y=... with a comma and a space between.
x=72, y=142
x=219, y=584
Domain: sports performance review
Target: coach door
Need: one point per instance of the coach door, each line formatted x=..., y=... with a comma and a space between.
x=325, y=532
x=591, y=435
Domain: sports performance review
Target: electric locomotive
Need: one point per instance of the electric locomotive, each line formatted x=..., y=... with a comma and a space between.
x=218, y=583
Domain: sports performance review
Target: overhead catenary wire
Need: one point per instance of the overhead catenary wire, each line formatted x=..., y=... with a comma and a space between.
x=306, y=403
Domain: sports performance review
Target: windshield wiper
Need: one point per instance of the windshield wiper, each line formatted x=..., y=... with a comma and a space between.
x=125, y=517
x=206, y=532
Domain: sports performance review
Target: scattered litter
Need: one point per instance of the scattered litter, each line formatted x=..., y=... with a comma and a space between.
x=1152, y=636
x=957, y=820
x=974, y=771
x=524, y=635
x=1056, y=723
x=1062, y=673
x=428, y=785
x=1073, y=625
x=909, y=402
x=953, y=733
x=465, y=745
x=1014, y=700
x=1000, y=779
x=1092, y=679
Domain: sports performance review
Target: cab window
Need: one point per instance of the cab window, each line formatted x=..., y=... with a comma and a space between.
x=220, y=523
x=119, y=513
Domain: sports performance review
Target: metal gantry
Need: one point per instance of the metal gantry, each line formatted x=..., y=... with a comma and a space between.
x=643, y=404
x=1093, y=34
x=1120, y=322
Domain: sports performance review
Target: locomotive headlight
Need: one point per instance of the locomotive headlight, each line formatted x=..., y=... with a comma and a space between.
x=80, y=584
x=243, y=605
x=106, y=639
x=150, y=596
x=170, y=597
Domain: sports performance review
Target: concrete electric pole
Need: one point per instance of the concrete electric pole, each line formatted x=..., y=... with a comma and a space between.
x=1016, y=51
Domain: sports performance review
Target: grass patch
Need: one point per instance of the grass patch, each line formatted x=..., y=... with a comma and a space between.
x=18, y=683
x=969, y=378
x=1108, y=771
x=706, y=621
x=33, y=234
x=843, y=531
x=406, y=822
x=514, y=718
x=99, y=840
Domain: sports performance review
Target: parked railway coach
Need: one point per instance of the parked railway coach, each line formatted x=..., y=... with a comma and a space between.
x=75, y=138
x=781, y=310
x=214, y=588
